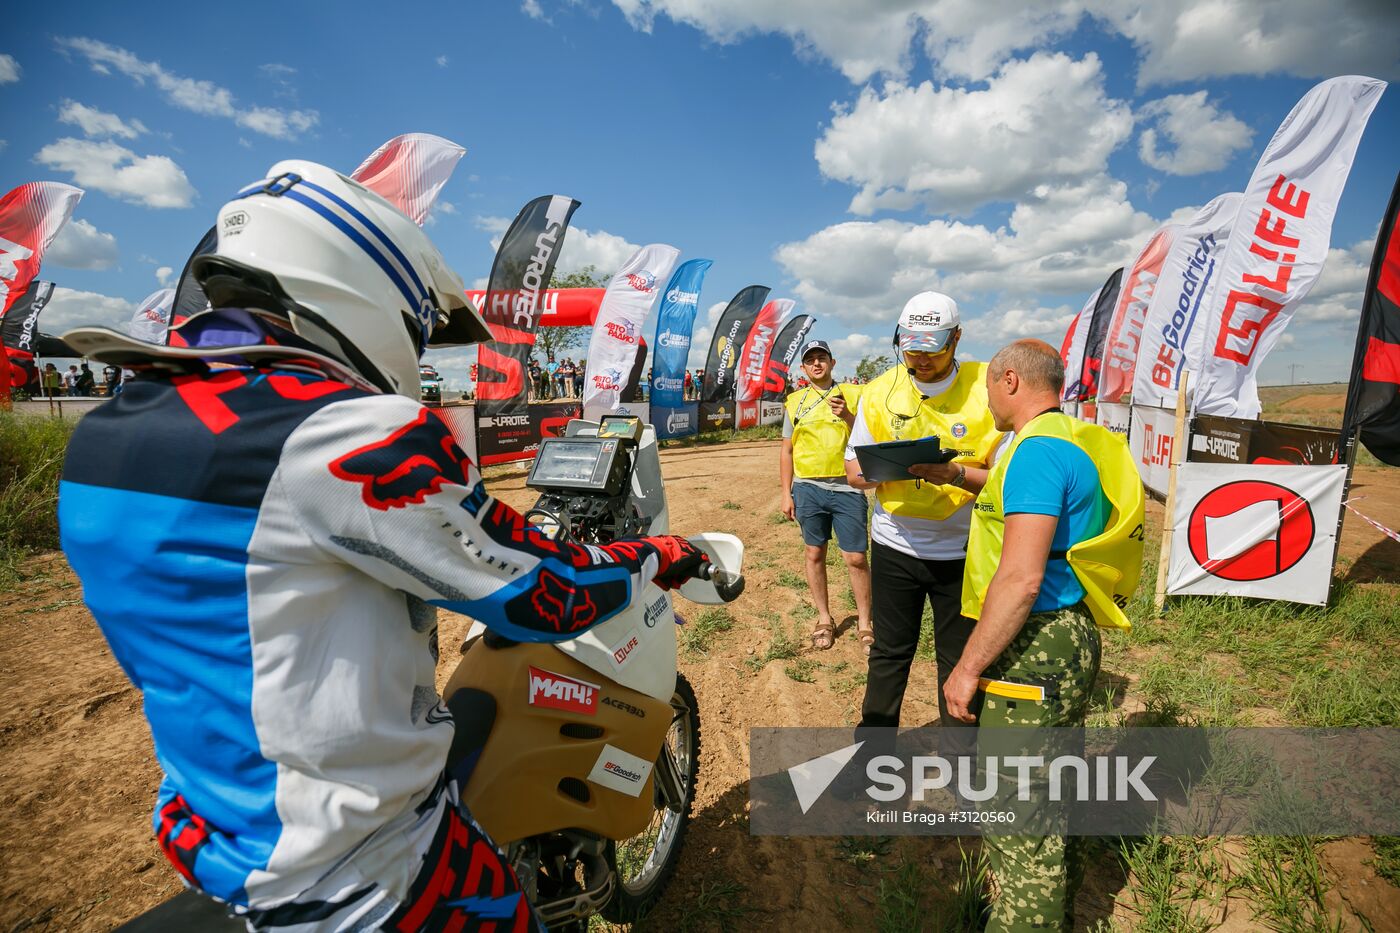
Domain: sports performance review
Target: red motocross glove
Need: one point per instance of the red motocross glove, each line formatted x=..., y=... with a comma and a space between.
x=679, y=560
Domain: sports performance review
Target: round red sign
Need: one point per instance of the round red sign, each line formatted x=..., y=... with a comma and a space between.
x=1250, y=530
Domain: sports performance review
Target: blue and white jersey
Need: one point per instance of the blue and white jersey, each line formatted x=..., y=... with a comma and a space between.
x=263, y=551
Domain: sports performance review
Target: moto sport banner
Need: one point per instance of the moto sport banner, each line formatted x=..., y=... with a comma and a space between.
x=522, y=269
x=627, y=300
x=189, y=295
x=758, y=344
x=1373, y=399
x=717, y=416
x=678, y=421
x=1280, y=239
x=1263, y=531
x=152, y=317
x=1215, y=439
x=1120, y=353
x=777, y=376
x=19, y=335
x=734, y=323
x=675, y=323
x=1151, y=434
x=1072, y=347
x=1173, y=334
x=409, y=170
x=1082, y=383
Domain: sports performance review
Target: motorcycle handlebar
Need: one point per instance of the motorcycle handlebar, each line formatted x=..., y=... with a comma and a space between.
x=728, y=585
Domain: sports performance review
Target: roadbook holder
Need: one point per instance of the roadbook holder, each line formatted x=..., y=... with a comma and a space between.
x=890, y=462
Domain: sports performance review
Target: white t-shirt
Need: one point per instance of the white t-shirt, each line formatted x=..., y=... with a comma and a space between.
x=925, y=538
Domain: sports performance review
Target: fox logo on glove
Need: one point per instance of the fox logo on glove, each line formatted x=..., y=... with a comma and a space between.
x=407, y=466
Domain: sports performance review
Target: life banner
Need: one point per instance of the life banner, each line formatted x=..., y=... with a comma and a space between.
x=777, y=376
x=1216, y=439
x=717, y=416
x=758, y=344
x=1173, y=334
x=1373, y=398
x=1072, y=347
x=408, y=171
x=1083, y=383
x=1280, y=239
x=1267, y=532
x=678, y=421
x=723, y=358
x=19, y=335
x=1115, y=417
x=1151, y=433
x=628, y=299
x=675, y=323
x=1120, y=353
x=522, y=269
x=152, y=317
x=189, y=297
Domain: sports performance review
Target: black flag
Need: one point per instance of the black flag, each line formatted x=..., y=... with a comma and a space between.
x=734, y=325
x=189, y=297
x=1373, y=398
x=1087, y=385
x=778, y=374
x=19, y=335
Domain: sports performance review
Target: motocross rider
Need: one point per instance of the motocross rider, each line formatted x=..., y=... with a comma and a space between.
x=265, y=526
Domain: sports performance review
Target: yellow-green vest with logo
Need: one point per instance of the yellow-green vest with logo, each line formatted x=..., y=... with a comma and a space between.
x=818, y=436
x=895, y=410
x=1108, y=566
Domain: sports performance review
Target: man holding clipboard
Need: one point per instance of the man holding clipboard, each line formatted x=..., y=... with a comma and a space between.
x=930, y=417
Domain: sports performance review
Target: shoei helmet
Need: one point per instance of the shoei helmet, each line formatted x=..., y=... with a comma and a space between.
x=345, y=268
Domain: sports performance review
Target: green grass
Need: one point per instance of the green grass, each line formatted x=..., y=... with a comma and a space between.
x=31, y=459
x=731, y=506
x=776, y=518
x=720, y=905
x=1286, y=883
x=1387, y=860
x=1175, y=882
x=802, y=670
x=699, y=634
x=792, y=579
x=782, y=646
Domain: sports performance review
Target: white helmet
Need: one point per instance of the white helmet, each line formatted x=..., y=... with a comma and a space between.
x=344, y=267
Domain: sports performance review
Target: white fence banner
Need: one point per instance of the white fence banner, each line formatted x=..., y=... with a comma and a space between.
x=1115, y=417
x=770, y=412
x=1262, y=531
x=1150, y=434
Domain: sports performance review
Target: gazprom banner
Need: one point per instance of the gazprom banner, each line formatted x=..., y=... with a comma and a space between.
x=674, y=324
x=680, y=421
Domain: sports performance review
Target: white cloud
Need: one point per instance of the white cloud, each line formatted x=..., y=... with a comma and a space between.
x=163, y=275
x=195, y=95
x=442, y=61
x=532, y=9
x=80, y=245
x=849, y=350
x=605, y=251
x=154, y=181
x=954, y=148
x=9, y=69
x=69, y=308
x=1015, y=323
x=1200, y=137
x=94, y=122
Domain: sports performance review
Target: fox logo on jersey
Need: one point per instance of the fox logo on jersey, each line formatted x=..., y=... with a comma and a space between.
x=407, y=466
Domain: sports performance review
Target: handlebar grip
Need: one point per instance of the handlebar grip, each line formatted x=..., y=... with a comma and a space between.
x=729, y=586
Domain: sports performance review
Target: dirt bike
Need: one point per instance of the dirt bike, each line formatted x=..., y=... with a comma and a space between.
x=580, y=757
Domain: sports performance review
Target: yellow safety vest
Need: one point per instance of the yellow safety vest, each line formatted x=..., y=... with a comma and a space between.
x=895, y=410
x=1108, y=566
x=818, y=436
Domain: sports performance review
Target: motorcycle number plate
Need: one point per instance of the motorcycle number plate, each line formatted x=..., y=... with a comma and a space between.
x=620, y=771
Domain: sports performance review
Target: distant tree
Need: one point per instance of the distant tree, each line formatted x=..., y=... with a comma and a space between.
x=871, y=366
x=559, y=340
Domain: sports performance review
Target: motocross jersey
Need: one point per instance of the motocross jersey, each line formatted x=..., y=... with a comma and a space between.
x=265, y=553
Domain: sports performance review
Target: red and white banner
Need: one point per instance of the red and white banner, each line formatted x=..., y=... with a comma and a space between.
x=627, y=301
x=753, y=359
x=1263, y=531
x=409, y=170
x=30, y=217
x=559, y=307
x=1173, y=334
x=1076, y=339
x=1280, y=239
x=1120, y=352
x=152, y=317
x=1151, y=432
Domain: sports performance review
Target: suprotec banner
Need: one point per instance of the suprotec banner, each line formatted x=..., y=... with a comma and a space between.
x=674, y=326
x=628, y=299
x=762, y=336
x=777, y=376
x=1280, y=239
x=1173, y=333
x=1082, y=383
x=733, y=326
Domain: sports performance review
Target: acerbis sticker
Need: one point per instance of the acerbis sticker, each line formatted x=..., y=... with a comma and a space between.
x=620, y=771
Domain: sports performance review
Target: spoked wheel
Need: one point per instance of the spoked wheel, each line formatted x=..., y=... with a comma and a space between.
x=645, y=863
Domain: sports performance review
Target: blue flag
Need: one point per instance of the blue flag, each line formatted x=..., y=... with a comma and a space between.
x=673, y=326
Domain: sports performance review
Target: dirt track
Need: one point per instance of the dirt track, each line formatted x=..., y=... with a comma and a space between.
x=76, y=851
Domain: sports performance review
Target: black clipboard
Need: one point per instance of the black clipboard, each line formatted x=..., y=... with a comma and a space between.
x=890, y=462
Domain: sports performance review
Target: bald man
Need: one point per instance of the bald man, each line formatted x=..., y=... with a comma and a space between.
x=1054, y=549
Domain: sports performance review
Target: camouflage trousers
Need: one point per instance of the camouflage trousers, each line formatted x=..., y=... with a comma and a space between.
x=1038, y=876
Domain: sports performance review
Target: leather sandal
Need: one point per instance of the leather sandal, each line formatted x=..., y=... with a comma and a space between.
x=824, y=636
x=867, y=637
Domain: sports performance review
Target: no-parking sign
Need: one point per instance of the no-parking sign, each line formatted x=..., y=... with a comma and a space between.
x=1262, y=531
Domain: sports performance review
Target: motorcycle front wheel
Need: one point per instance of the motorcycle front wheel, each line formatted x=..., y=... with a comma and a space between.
x=644, y=864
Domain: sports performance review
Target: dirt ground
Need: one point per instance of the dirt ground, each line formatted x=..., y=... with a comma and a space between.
x=79, y=776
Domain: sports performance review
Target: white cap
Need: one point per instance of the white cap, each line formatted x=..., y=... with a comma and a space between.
x=927, y=322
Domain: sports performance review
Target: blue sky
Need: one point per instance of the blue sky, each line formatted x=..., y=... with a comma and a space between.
x=846, y=154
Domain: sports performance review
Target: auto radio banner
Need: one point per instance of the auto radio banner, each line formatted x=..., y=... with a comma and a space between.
x=674, y=324
x=19, y=337
x=1373, y=399
x=1120, y=354
x=1082, y=383
x=627, y=300
x=152, y=317
x=1215, y=439
x=1263, y=531
x=680, y=421
x=1151, y=433
x=778, y=375
x=1173, y=335
x=733, y=325
x=523, y=267
x=1280, y=239
x=753, y=359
